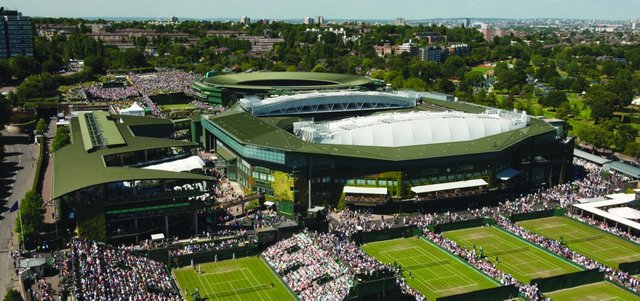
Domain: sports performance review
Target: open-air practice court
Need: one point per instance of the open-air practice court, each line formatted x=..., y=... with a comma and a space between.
x=586, y=240
x=512, y=255
x=429, y=269
x=599, y=291
x=237, y=279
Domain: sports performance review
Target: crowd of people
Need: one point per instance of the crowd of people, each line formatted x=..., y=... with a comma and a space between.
x=164, y=81
x=100, y=272
x=208, y=246
x=321, y=266
x=44, y=292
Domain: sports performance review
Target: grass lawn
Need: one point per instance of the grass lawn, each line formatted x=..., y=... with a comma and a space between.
x=434, y=272
x=595, y=291
x=515, y=256
x=247, y=278
x=481, y=68
x=577, y=125
x=586, y=240
x=180, y=106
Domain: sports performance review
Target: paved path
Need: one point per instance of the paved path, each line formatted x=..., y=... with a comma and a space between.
x=16, y=178
x=47, y=180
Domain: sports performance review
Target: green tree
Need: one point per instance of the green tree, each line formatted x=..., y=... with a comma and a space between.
x=633, y=149
x=61, y=139
x=5, y=111
x=282, y=186
x=41, y=126
x=31, y=211
x=602, y=102
x=474, y=78
x=12, y=295
x=579, y=85
x=23, y=66
x=624, y=135
x=553, y=99
x=41, y=85
x=622, y=88
x=5, y=72
x=454, y=66
x=595, y=135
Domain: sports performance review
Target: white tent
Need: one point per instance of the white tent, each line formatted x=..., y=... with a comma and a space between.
x=135, y=110
x=187, y=164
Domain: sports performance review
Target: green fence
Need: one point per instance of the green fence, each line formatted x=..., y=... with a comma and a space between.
x=630, y=267
x=568, y=280
x=373, y=236
x=383, y=286
x=491, y=294
x=537, y=214
x=463, y=224
x=162, y=255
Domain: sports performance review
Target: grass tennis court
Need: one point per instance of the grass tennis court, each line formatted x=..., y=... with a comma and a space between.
x=591, y=242
x=435, y=273
x=517, y=257
x=238, y=279
x=592, y=292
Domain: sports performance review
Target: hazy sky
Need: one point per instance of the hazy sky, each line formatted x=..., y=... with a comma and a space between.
x=339, y=9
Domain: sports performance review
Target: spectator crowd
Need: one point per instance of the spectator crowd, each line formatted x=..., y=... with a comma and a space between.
x=94, y=271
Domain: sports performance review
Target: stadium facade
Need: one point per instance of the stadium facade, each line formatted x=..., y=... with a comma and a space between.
x=121, y=179
x=378, y=148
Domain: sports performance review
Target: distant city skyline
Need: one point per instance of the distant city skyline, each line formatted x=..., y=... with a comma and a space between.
x=332, y=9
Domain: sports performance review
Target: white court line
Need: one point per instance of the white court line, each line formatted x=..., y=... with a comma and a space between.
x=257, y=283
x=236, y=293
x=205, y=288
x=223, y=272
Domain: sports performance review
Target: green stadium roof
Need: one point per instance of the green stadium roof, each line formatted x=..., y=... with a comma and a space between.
x=98, y=131
x=269, y=132
x=75, y=168
x=285, y=81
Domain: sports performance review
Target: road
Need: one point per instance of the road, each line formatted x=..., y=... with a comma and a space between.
x=16, y=178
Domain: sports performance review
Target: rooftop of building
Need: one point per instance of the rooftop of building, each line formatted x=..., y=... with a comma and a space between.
x=285, y=80
x=273, y=132
x=77, y=168
x=411, y=128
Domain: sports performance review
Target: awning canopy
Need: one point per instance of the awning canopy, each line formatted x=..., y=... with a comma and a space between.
x=187, y=164
x=226, y=154
x=269, y=203
x=624, y=168
x=507, y=174
x=593, y=207
x=364, y=190
x=626, y=212
x=449, y=186
x=589, y=157
x=157, y=236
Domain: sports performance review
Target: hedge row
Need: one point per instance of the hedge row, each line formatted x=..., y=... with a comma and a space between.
x=37, y=183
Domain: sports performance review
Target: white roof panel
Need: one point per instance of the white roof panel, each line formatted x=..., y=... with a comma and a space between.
x=187, y=164
x=365, y=190
x=411, y=128
x=593, y=208
x=626, y=212
x=449, y=186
